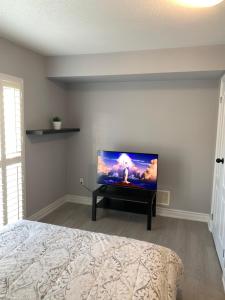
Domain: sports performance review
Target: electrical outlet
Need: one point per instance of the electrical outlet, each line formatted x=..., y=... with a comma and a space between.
x=81, y=180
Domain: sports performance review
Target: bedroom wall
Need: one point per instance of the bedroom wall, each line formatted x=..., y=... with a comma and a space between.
x=153, y=62
x=45, y=157
x=176, y=119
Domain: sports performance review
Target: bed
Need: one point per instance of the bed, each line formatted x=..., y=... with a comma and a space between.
x=43, y=261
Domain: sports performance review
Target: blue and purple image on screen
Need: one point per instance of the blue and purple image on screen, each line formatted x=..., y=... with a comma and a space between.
x=135, y=170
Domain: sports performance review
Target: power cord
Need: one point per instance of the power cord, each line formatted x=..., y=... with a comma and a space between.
x=85, y=187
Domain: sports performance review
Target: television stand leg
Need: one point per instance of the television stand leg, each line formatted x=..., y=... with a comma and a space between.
x=154, y=206
x=94, y=204
x=149, y=215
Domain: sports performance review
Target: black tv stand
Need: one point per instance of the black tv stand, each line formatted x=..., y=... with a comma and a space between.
x=126, y=199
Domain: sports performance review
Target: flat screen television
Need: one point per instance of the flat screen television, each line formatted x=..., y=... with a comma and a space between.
x=127, y=169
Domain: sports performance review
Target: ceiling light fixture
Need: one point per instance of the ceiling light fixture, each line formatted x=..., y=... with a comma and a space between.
x=199, y=3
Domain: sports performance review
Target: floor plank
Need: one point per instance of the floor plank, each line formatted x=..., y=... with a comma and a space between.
x=190, y=240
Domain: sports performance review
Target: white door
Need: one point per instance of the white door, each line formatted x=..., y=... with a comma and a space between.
x=218, y=203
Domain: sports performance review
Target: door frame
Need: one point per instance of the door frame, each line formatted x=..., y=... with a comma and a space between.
x=222, y=90
x=210, y=223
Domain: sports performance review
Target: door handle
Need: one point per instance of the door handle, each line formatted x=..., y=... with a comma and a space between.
x=220, y=160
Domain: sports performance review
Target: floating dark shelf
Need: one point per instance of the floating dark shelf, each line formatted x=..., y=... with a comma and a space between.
x=51, y=131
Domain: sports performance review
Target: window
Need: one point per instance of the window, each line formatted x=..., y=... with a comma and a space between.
x=12, y=201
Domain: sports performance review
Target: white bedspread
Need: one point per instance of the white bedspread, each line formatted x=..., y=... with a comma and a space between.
x=42, y=261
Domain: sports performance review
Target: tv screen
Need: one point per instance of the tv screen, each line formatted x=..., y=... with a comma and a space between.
x=134, y=170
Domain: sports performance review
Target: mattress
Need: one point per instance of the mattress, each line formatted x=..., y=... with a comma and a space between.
x=43, y=261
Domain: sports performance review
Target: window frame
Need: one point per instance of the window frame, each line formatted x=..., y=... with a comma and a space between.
x=15, y=82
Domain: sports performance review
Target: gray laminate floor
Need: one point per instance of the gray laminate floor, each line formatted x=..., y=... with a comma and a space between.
x=190, y=240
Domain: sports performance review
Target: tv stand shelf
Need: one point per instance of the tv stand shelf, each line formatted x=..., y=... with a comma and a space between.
x=126, y=199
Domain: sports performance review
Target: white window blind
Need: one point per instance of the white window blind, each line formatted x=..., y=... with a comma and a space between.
x=11, y=151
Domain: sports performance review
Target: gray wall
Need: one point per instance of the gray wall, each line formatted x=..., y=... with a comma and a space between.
x=176, y=119
x=152, y=62
x=45, y=158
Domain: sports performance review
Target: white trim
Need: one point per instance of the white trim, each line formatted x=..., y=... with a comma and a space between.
x=14, y=82
x=23, y=160
x=161, y=211
x=223, y=280
x=47, y=210
x=12, y=79
x=78, y=199
x=222, y=86
x=210, y=224
x=182, y=214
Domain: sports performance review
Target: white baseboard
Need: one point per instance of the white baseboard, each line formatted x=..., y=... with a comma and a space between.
x=47, y=210
x=161, y=211
x=78, y=199
x=182, y=214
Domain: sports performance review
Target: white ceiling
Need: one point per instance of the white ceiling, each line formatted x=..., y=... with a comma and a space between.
x=66, y=27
